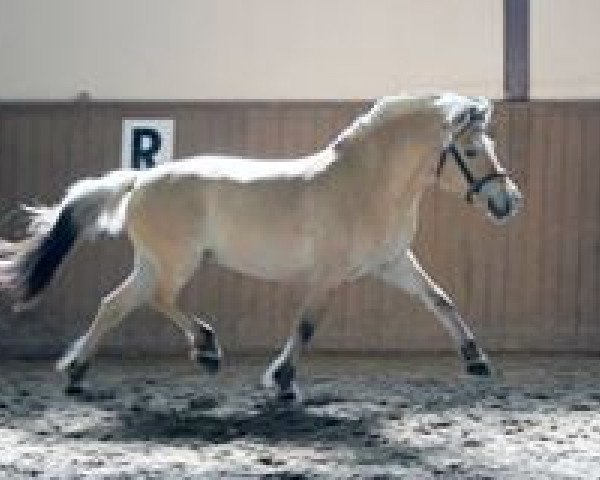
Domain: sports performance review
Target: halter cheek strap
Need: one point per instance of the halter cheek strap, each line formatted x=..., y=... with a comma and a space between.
x=475, y=185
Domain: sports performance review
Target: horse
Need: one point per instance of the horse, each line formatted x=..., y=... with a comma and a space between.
x=347, y=211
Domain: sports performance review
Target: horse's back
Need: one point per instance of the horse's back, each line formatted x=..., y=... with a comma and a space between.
x=243, y=170
x=256, y=222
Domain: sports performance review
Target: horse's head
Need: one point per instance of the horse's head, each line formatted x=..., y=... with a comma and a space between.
x=468, y=163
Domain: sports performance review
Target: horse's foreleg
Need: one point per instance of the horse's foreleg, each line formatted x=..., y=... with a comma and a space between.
x=133, y=292
x=406, y=273
x=281, y=373
x=205, y=348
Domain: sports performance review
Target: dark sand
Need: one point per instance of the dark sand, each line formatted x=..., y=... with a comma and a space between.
x=367, y=418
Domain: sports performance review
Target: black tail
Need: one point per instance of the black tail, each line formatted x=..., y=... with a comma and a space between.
x=91, y=206
x=27, y=266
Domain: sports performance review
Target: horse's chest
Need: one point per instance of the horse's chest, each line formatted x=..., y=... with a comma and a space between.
x=362, y=246
x=368, y=259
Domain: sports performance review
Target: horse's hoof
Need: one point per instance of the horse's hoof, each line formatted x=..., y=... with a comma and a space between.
x=73, y=390
x=286, y=397
x=479, y=369
x=291, y=396
x=212, y=364
x=211, y=361
x=284, y=393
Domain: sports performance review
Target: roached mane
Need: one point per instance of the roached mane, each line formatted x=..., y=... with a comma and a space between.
x=453, y=108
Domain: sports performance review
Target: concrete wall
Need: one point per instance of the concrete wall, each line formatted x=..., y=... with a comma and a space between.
x=239, y=49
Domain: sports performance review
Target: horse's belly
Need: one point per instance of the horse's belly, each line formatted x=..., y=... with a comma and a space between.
x=262, y=230
x=272, y=248
x=267, y=259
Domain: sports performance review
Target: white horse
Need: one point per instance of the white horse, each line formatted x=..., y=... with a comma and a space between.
x=345, y=212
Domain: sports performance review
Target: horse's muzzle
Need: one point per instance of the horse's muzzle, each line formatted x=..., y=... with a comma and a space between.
x=508, y=207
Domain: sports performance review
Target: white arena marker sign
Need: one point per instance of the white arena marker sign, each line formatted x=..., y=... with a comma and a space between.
x=147, y=142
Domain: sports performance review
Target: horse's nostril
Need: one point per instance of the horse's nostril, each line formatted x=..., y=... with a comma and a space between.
x=502, y=211
x=494, y=209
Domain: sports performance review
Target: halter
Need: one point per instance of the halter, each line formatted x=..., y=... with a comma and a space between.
x=475, y=185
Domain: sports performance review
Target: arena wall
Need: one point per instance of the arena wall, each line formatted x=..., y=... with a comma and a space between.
x=280, y=79
x=531, y=285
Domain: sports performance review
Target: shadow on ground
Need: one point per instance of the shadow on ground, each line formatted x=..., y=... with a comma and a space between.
x=399, y=418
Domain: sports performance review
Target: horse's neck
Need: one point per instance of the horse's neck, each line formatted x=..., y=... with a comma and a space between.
x=393, y=163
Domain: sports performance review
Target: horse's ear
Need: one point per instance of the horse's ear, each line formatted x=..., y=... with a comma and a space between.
x=476, y=115
x=473, y=115
x=461, y=120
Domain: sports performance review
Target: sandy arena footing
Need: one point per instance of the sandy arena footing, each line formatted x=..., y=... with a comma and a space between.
x=362, y=418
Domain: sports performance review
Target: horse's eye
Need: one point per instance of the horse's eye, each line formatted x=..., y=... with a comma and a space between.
x=470, y=152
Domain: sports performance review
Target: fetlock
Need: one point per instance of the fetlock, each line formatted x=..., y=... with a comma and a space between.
x=75, y=371
x=207, y=352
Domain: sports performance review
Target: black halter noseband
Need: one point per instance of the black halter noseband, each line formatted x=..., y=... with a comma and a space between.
x=475, y=185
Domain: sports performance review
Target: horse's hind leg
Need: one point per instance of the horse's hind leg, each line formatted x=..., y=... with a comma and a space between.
x=281, y=373
x=407, y=274
x=133, y=292
x=205, y=348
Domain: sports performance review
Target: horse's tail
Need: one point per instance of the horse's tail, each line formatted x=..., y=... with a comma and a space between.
x=90, y=207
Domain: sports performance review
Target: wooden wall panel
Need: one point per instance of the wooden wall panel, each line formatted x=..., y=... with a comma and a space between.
x=533, y=284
